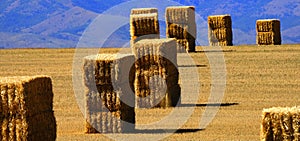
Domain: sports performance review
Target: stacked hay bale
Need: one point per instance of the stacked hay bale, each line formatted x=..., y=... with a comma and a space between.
x=144, y=24
x=156, y=78
x=220, y=30
x=181, y=24
x=281, y=124
x=109, y=96
x=268, y=32
x=143, y=11
x=26, y=105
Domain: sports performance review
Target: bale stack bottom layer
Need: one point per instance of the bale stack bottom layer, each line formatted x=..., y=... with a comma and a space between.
x=27, y=108
x=109, y=93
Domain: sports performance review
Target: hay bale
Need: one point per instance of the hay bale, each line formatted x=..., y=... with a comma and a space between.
x=268, y=32
x=280, y=124
x=181, y=24
x=181, y=15
x=143, y=11
x=219, y=21
x=220, y=30
x=109, y=81
x=181, y=31
x=156, y=73
x=268, y=25
x=186, y=45
x=26, y=108
x=144, y=26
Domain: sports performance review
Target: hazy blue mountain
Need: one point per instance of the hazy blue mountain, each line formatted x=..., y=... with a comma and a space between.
x=61, y=23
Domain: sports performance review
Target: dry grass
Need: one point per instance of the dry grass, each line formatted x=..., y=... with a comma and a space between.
x=257, y=78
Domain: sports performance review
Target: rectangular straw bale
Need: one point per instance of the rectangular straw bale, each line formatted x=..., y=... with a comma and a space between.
x=110, y=122
x=181, y=31
x=143, y=11
x=109, y=81
x=268, y=25
x=268, y=38
x=220, y=43
x=181, y=15
x=26, y=108
x=154, y=58
x=221, y=34
x=22, y=94
x=219, y=21
x=108, y=69
x=220, y=30
x=144, y=26
x=280, y=124
x=268, y=32
x=185, y=45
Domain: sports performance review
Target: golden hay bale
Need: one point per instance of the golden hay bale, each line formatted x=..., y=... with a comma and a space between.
x=268, y=25
x=280, y=124
x=143, y=11
x=221, y=34
x=181, y=24
x=268, y=38
x=185, y=45
x=181, y=15
x=181, y=31
x=219, y=30
x=109, y=80
x=219, y=21
x=144, y=26
x=27, y=108
x=268, y=32
x=156, y=73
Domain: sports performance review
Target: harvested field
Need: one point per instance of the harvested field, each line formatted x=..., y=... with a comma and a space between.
x=258, y=77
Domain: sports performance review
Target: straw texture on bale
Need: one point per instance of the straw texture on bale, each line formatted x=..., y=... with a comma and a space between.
x=143, y=11
x=109, y=82
x=220, y=30
x=144, y=26
x=183, y=44
x=268, y=32
x=181, y=24
x=156, y=78
x=281, y=124
x=27, y=108
x=180, y=15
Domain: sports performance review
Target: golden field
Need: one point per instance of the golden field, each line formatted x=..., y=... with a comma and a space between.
x=257, y=77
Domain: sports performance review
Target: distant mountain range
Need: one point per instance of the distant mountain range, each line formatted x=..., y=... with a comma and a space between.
x=61, y=23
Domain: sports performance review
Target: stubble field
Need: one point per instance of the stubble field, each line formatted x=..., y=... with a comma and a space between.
x=257, y=78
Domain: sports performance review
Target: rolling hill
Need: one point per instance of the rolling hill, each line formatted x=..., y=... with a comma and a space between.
x=60, y=23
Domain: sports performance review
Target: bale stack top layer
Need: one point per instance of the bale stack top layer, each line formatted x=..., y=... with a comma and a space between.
x=107, y=56
x=180, y=14
x=23, y=79
x=219, y=21
x=268, y=25
x=143, y=10
x=162, y=47
x=145, y=25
